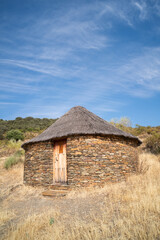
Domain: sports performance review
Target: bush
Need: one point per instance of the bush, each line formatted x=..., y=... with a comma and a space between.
x=15, y=134
x=25, y=124
x=1, y=135
x=123, y=121
x=14, y=159
x=13, y=144
x=140, y=129
x=153, y=143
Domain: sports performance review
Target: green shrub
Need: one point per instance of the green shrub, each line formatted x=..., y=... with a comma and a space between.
x=13, y=144
x=139, y=129
x=153, y=143
x=14, y=159
x=1, y=134
x=25, y=124
x=15, y=134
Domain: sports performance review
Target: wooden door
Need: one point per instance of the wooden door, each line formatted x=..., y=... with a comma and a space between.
x=59, y=162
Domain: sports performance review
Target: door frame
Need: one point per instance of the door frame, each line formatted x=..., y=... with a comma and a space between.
x=56, y=143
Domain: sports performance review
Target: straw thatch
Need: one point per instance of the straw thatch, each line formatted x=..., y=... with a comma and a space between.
x=79, y=121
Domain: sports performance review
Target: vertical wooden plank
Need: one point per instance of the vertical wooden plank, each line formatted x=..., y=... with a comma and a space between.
x=63, y=179
x=64, y=159
x=54, y=164
x=62, y=163
x=57, y=163
x=59, y=170
x=61, y=160
x=65, y=163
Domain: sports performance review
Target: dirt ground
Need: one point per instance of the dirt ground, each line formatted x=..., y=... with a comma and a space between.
x=128, y=209
x=24, y=201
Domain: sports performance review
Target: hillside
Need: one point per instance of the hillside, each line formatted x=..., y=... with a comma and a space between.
x=28, y=124
x=31, y=127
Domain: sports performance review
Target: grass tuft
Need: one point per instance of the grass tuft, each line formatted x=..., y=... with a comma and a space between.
x=13, y=144
x=5, y=216
x=17, y=157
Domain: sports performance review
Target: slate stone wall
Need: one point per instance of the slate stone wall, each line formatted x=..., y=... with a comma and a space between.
x=95, y=160
x=91, y=160
x=38, y=166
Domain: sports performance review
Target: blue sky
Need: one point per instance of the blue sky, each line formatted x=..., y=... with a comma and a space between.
x=103, y=55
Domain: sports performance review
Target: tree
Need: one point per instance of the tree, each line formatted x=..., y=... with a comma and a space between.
x=125, y=122
x=19, y=118
x=114, y=121
x=15, y=134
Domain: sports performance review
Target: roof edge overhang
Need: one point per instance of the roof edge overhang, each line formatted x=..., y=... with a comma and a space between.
x=139, y=142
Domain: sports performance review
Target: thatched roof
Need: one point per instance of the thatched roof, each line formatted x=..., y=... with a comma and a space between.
x=79, y=121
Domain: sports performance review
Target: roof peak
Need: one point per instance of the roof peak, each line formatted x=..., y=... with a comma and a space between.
x=78, y=107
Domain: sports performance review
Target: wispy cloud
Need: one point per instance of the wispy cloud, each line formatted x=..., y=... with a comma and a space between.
x=142, y=7
x=127, y=11
x=141, y=74
x=9, y=103
x=137, y=76
x=72, y=57
x=8, y=86
x=117, y=10
x=49, y=46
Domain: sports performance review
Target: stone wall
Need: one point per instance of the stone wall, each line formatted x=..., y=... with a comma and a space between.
x=95, y=160
x=91, y=160
x=38, y=166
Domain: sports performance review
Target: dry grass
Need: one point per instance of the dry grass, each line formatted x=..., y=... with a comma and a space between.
x=128, y=210
x=5, y=216
x=14, y=159
x=11, y=185
x=13, y=144
x=13, y=192
x=10, y=178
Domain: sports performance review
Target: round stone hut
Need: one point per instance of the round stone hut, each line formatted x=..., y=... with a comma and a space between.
x=80, y=149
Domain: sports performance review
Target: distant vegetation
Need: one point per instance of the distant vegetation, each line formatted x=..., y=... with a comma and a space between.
x=28, y=124
x=153, y=143
x=125, y=124
x=29, y=127
x=151, y=135
x=124, y=121
x=139, y=130
x=15, y=134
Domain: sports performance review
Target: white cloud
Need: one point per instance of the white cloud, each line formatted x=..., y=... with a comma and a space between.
x=117, y=10
x=142, y=7
x=138, y=76
x=55, y=55
x=141, y=74
x=9, y=103
x=8, y=86
x=126, y=11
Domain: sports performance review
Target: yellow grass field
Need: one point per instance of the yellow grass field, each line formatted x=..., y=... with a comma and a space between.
x=122, y=211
